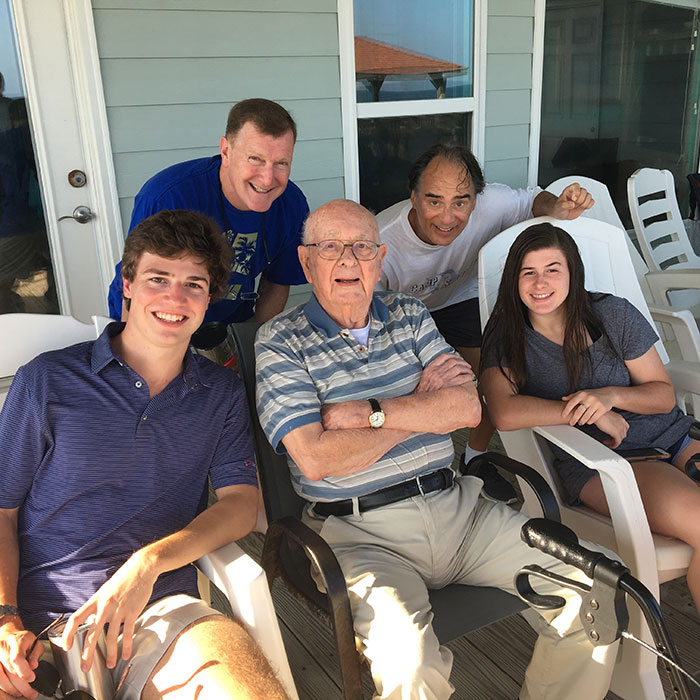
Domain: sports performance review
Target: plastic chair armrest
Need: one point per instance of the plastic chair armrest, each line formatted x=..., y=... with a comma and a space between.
x=684, y=328
x=685, y=376
x=634, y=541
x=663, y=281
x=243, y=582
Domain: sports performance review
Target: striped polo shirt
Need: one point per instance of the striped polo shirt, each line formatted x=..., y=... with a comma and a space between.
x=304, y=359
x=98, y=469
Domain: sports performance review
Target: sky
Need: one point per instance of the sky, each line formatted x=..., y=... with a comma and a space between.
x=440, y=28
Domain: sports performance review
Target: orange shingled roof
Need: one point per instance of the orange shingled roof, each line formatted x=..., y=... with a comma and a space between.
x=377, y=58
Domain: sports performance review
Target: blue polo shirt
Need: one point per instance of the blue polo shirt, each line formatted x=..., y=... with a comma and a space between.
x=98, y=469
x=304, y=359
x=261, y=242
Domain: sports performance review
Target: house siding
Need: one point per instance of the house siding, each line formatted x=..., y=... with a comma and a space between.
x=171, y=70
x=509, y=50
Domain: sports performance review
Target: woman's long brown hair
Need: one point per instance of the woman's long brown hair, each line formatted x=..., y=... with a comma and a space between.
x=505, y=331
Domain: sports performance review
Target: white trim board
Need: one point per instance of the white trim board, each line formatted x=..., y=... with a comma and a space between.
x=536, y=93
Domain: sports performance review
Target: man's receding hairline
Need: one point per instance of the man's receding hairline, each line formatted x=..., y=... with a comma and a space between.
x=325, y=210
x=464, y=182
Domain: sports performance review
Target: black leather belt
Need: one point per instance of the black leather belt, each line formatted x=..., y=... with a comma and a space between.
x=419, y=485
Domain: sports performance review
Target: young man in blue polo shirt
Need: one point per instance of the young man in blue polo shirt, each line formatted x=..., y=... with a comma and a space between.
x=107, y=448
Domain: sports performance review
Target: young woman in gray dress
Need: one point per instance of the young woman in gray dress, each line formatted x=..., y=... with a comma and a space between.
x=555, y=354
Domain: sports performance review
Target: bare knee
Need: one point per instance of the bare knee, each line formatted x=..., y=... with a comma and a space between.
x=214, y=657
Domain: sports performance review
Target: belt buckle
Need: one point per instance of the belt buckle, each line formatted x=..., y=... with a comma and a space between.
x=420, y=486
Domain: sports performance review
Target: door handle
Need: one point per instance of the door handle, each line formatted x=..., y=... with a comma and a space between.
x=80, y=214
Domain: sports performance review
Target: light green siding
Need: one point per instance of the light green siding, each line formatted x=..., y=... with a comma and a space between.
x=171, y=70
x=509, y=50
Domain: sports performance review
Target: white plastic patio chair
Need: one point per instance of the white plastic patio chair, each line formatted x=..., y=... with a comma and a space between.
x=662, y=236
x=652, y=558
x=236, y=574
x=683, y=341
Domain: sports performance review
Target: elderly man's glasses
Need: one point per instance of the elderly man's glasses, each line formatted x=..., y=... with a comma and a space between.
x=333, y=250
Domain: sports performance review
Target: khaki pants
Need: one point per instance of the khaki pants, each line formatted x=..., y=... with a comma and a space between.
x=391, y=555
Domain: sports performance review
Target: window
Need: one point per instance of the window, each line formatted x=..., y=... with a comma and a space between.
x=410, y=84
x=620, y=92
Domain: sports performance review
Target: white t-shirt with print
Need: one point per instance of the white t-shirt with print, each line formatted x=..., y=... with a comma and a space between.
x=444, y=275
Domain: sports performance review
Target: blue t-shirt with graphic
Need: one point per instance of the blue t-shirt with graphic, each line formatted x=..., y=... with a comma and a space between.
x=260, y=242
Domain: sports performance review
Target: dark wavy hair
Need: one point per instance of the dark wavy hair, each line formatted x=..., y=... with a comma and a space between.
x=174, y=233
x=505, y=331
x=459, y=155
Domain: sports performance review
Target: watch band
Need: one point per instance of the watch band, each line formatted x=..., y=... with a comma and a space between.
x=375, y=405
x=8, y=610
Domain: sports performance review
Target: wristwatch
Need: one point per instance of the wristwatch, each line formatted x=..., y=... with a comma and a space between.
x=8, y=610
x=376, y=417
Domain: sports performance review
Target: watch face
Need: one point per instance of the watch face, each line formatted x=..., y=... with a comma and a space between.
x=376, y=419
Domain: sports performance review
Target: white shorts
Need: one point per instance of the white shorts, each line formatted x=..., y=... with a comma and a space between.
x=155, y=630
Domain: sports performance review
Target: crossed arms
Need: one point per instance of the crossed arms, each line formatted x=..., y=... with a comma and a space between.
x=343, y=443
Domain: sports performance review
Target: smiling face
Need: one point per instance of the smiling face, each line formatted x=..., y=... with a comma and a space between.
x=168, y=300
x=343, y=287
x=442, y=202
x=255, y=167
x=543, y=281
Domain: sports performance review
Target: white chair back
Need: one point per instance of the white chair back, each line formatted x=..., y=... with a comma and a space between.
x=605, y=255
x=25, y=336
x=657, y=220
x=660, y=230
x=604, y=210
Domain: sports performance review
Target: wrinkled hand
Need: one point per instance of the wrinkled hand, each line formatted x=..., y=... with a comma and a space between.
x=587, y=406
x=448, y=369
x=572, y=202
x=16, y=671
x=614, y=425
x=119, y=601
x=345, y=415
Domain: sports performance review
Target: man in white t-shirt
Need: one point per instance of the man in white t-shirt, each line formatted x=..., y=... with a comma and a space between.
x=433, y=241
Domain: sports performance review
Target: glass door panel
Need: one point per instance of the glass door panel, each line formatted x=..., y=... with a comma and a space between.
x=620, y=92
x=26, y=270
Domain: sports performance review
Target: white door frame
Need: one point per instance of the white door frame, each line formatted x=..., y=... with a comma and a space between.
x=94, y=136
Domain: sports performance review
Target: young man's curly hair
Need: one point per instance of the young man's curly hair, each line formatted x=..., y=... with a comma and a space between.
x=174, y=234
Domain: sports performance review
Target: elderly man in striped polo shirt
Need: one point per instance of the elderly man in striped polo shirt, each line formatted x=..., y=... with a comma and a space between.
x=361, y=391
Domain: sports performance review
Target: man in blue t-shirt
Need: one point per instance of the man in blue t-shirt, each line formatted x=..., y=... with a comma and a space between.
x=107, y=450
x=246, y=190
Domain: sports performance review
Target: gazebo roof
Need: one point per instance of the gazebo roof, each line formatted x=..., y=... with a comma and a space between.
x=376, y=58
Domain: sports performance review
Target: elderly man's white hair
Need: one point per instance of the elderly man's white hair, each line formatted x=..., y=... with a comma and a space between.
x=325, y=217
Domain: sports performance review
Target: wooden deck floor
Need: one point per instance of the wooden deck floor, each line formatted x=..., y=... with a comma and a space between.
x=488, y=664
